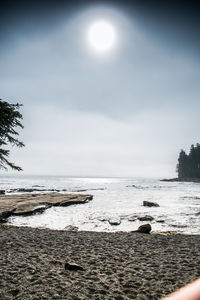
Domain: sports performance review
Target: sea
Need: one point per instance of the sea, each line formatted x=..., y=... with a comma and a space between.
x=118, y=199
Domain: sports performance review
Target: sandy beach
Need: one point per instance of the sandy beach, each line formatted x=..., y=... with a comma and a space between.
x=115, y=265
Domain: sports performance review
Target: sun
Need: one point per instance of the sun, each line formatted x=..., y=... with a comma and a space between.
x=101, y=36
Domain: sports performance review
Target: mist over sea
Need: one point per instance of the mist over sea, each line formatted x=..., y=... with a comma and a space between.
x=119, y=198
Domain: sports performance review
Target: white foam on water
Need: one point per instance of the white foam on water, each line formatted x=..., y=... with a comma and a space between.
x=114, y=198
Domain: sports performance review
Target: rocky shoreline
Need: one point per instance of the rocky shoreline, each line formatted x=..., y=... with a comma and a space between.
x=28, y=204
x=197, y=180
x=42, y=189
x=50, y=264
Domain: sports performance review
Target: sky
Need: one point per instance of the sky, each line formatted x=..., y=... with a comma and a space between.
x=126, y=112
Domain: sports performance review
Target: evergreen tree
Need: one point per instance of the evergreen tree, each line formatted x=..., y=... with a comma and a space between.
x=10, y=118
x=198, y=160
x=188, y=166
x=192, y=162
x=182, y=166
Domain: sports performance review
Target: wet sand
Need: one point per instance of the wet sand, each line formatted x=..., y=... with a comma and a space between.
x=115, y=265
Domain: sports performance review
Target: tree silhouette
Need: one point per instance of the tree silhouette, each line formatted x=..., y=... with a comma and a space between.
x=188, y=166
x=10, y=118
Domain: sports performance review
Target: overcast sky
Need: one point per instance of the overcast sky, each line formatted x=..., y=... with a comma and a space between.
x=127, y=112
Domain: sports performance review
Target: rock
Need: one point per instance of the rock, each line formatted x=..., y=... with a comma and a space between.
x=197, y=180
x=31, y=190
x=160, y=221
x=3, y=220
x=136, y=186
x=2, y=192
x=114, y=221
x=170, y=180
x=71, y=228
x=133, y=185
x=5, y=213
x=27, y=204
x=150, y=204
x=178, y=225
x=22, y=211
x=23, y=190
x=146, y=218
x=102, y=219
x=73, y=267
x=36, y=186
x=132, y=218
x=85, y=190
x=146, y=228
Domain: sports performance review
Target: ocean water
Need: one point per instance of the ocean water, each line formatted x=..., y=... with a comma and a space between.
x=120, y=198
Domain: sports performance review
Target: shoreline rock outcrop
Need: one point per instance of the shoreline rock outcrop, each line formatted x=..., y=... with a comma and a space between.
x=150, y=204
x=197, y=180
x=41, y=189
x=28, y=204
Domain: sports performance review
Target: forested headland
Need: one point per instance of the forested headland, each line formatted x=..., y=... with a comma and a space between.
x=188, y=166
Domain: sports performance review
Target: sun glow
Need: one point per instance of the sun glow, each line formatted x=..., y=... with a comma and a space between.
x=101, y=36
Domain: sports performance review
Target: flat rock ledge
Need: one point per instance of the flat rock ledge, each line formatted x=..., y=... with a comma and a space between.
x=28, y=204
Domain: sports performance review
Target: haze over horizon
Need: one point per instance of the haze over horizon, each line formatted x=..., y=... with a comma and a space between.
x=127, y=112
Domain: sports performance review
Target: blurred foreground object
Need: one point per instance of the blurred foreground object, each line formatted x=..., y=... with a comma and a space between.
x=188, y=292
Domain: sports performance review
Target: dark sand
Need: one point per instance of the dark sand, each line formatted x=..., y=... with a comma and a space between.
x=116, y=265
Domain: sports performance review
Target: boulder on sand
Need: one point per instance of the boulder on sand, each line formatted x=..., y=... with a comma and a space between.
x=150, y=204
x=73, y=267
x=146, y=228
x=71, y=228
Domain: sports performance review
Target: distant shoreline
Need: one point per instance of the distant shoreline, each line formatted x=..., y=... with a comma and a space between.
x=195, y=180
